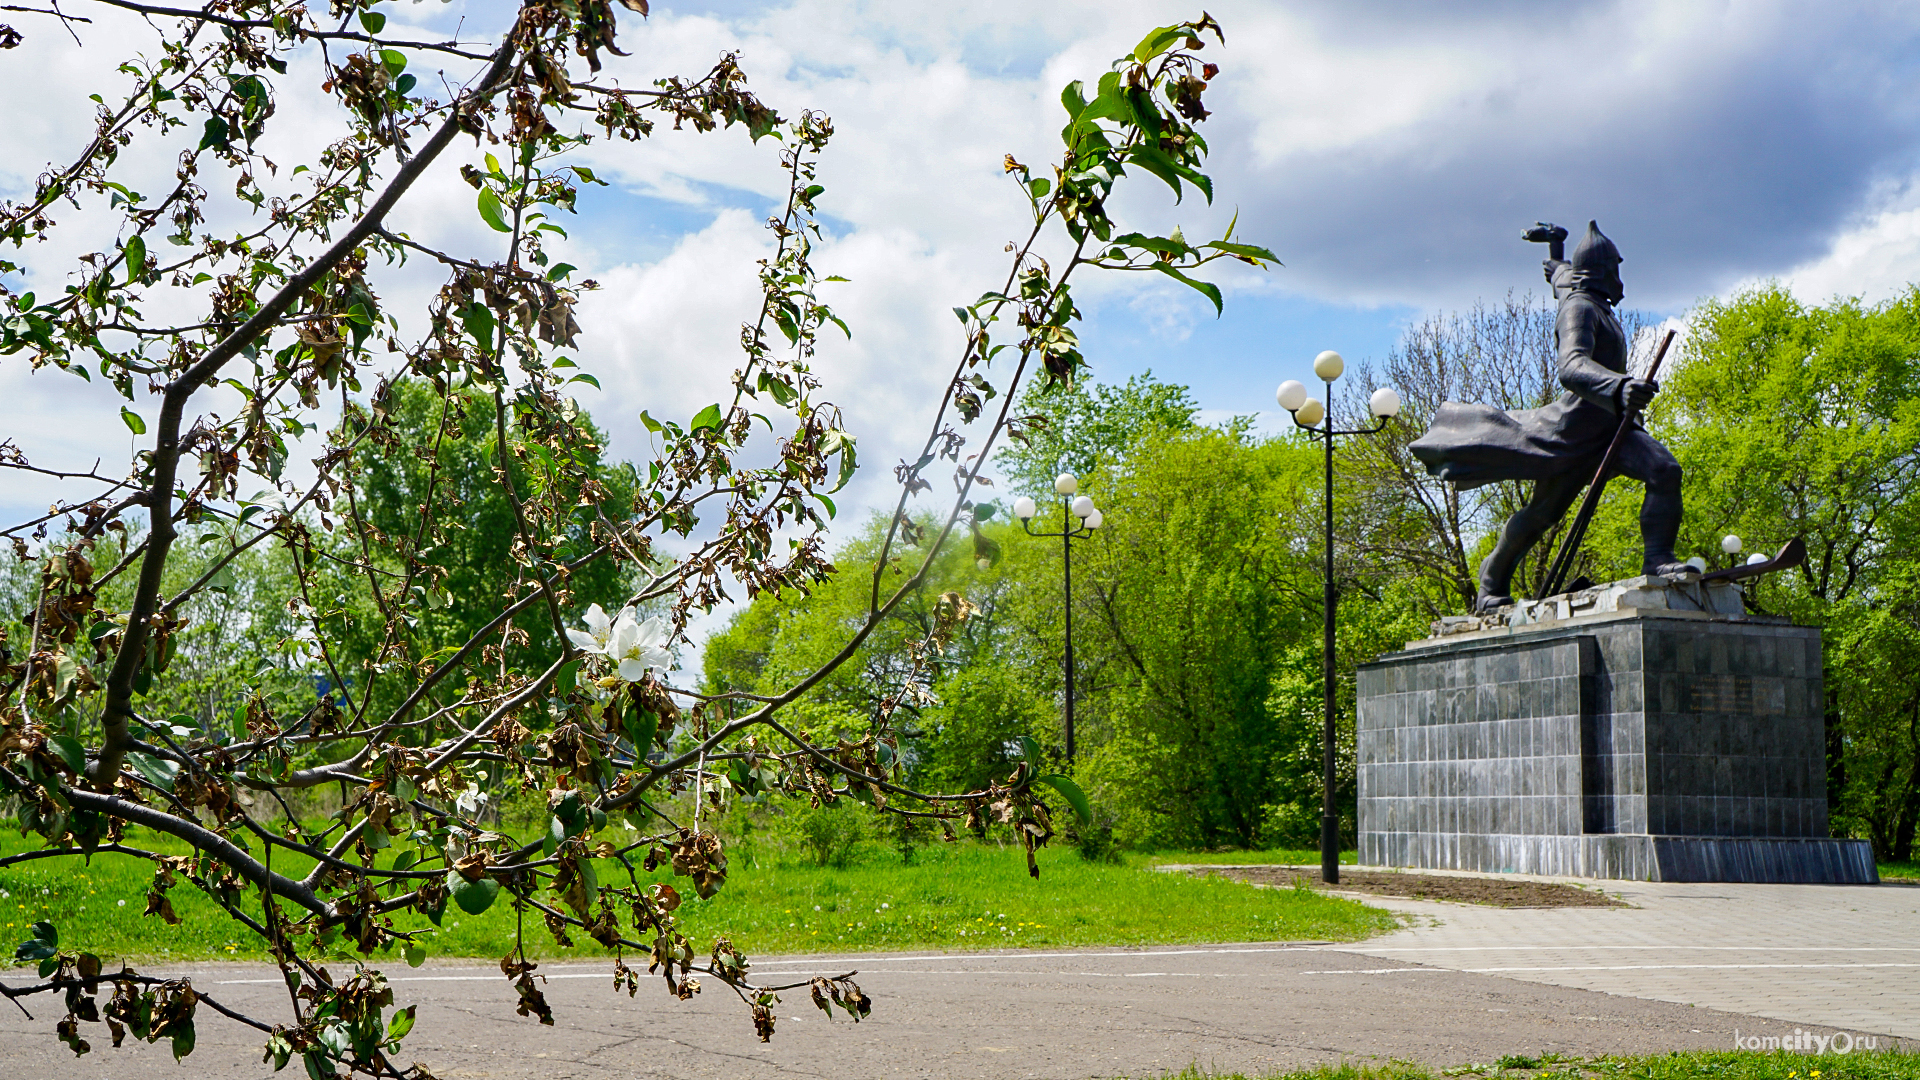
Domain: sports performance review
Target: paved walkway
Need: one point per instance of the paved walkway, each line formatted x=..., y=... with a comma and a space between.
x=1687, y=967
x=1845, y=956
x=1069, y=1015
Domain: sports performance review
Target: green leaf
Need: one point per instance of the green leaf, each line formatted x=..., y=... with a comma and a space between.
x=591, y=881
x=136, y=251
x=1205, y=288
x=491, y=213
x=1073, y=97
x=1029, y=749
x=1155, y=161
x=404, y=85
x=414, y=955
x=839, y=442
x=473, y=897
x=1158, y=41
x=402, y=1021
x=43, y=945
x=133, y=421
x=560, y=270
x=70, y=751
x=159, y=771
x=1140, y=106
x=708, y=417
x=280, y=1049
x=373, y=21
x=214, y=134
x=586, y=378
x=1039, y=186
x=1251, y=251
x=651, y=424
x=1074, y=796
x=568, y=678
x=394, y=59
x=478, y=319
x=1152, y=243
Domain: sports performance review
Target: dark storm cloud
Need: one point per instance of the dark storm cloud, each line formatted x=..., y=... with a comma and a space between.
x=1731, y=142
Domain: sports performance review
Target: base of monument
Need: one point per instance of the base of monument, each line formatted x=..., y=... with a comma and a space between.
x=1633, y=857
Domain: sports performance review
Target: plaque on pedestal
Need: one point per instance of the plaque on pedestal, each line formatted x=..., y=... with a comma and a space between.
x=1648, y=729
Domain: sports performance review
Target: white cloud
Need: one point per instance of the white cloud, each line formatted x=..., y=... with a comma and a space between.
x=1875, y=260
x=1388, y=153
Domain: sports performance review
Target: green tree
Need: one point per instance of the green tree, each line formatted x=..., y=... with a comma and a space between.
x=943, y=668
x=1802, y=420
x=277, y=290
x=1083, y=427
x=1194, y=588
x=458, y=559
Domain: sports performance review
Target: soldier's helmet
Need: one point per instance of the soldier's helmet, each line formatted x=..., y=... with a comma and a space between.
x=1595, y=253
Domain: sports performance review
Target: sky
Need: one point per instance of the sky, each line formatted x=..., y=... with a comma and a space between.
x=1389, y=153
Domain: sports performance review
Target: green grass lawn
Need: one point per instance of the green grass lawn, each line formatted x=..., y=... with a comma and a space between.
x=1900, y=870
x=1689, y=1065
x=959, y=896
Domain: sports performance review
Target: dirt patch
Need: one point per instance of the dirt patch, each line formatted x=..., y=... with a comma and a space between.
x=1494, y=892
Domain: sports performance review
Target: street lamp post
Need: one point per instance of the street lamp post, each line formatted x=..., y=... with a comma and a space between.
x=1072, y=506
x=1307, y=413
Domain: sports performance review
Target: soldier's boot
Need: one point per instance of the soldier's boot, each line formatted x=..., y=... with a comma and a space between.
x=1551, y=498
x=1523, y=530
x=1660, y=513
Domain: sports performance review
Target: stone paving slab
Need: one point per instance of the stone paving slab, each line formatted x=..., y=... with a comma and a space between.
x=1846, y=956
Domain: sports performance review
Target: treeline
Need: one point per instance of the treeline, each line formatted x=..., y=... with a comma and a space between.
x=1197, y=604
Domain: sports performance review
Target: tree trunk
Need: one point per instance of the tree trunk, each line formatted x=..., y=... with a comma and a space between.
x=1902, y=847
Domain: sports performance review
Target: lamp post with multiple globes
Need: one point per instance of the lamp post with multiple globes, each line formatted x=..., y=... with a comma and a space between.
x=1079, y=518
x=1313, y=415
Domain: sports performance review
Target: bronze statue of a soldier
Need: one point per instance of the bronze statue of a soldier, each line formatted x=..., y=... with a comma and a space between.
x=1560, y=446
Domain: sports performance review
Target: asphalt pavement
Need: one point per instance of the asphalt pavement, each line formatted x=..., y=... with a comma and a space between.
x=1066, y=1014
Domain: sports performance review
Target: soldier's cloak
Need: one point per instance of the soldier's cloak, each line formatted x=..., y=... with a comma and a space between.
x=1471, y=445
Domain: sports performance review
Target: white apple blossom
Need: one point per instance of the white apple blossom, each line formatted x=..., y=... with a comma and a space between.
x=594, y=638
x=634, y=646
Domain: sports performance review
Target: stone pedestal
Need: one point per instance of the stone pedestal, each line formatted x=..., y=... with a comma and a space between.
x=1661, y=739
